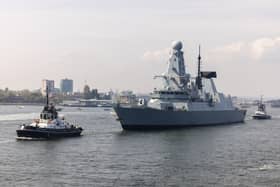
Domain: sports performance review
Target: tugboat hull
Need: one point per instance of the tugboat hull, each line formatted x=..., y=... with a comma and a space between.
x=261, y=117
x=48, y=133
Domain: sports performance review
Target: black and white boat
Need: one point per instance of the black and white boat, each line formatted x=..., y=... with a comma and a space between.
x=50, y=125
x=261, y=112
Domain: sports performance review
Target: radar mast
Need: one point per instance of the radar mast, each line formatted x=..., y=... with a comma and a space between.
x=198, y=78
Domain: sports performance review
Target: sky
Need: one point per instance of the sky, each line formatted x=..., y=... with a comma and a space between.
x=122, y=44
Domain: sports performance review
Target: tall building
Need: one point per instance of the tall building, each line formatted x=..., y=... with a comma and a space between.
x=66, y=86
x=87, y=94
x=50, y=84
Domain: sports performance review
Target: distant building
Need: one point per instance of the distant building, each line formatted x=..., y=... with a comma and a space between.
x=94, y=94
x=126, y=97
x=87, y=93
x=47, y=83
x=56, y=91
x=105, y=96
x=66, y=86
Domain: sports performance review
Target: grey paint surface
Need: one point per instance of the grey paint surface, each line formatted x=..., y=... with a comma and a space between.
x=148, y=117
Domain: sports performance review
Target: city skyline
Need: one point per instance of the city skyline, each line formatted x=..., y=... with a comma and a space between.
x=122, y=45
x=57, y=84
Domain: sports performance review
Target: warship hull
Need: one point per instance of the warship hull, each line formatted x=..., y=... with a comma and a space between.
x=149, y=118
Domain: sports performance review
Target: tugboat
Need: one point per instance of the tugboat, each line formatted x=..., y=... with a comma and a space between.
x=261, y=112
x=49, y=126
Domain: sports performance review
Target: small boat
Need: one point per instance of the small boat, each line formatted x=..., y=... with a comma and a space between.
x=245, y=105
x=50, y=125
x=59, y=109
x=261, y=112
x=275, y=104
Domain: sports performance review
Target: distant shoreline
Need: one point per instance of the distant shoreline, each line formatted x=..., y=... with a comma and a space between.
x=33, y=104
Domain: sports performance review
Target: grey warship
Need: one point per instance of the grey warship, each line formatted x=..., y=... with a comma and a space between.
x=181, y=101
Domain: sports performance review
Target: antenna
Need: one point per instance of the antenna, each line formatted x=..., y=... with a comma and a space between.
x=199, y=62
x=198, y=78
x=47, y=93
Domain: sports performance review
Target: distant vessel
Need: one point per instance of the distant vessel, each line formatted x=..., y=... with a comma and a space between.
x=59, y=109
x=182, y=101
x=89, y=103
x=50, y=125
x=261, y=112
x=245, y=105
x=275, y=104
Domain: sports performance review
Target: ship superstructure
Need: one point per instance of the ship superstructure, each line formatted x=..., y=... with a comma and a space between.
x=182, y=100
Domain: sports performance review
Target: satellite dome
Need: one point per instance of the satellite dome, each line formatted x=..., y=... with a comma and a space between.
x=177, y=45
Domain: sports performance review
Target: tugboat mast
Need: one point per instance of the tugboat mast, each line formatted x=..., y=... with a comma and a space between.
x=47, y=94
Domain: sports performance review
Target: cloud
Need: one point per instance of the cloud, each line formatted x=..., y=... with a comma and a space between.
x=262, y=46
x=256, y=50
x=231, y=48
x=156, y=55
x=247, y=67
